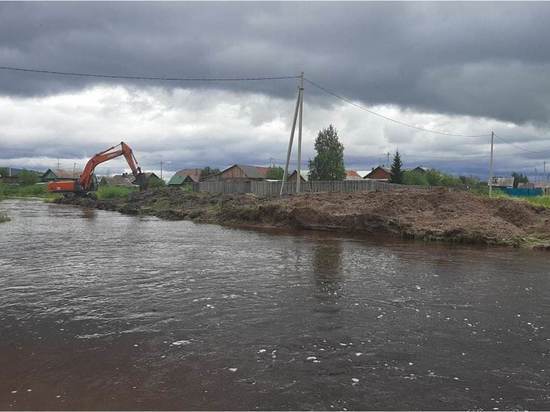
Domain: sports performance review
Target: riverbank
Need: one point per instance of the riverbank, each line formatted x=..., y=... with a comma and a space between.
x=430, y=215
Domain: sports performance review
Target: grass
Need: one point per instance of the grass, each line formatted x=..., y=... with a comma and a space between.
x=114, y=192
x=34, y=190
x=4, y=217
x=543, y=201
x=539, y=201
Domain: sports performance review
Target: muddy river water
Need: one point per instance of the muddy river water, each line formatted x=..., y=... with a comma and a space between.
x=100, y=310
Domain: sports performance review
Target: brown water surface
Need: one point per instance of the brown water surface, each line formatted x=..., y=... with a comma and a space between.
x=100, y=310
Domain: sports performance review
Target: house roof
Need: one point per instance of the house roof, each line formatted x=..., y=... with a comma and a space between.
x=254, y=172
x=303, y=173
x=385, y=169
x=64, y=173
x=118, y=180
x=148, y=175
x=194, y=174
x=177, y=180
x=352, y=173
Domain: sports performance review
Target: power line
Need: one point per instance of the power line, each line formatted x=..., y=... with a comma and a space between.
x=521, y=147
x=128, y=77
x=349, y=101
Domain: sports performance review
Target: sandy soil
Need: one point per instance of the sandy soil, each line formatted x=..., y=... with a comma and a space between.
x=418, y=214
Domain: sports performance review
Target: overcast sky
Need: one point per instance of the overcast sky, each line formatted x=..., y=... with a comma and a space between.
x=463, y=68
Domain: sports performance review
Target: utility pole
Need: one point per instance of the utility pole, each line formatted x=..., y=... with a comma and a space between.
x=388, y=164
x=161, y=170
x=491, y=165
x=299, y=174
x=291, y=140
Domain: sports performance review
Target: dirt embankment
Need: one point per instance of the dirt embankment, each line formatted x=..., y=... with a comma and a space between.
x=419, y=214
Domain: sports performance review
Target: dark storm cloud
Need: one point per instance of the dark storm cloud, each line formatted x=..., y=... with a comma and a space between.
x=480, y=59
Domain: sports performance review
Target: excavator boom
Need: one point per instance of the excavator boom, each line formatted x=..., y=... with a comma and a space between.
x=85, y=181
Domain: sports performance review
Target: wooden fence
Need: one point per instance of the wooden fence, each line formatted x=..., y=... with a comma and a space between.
x=272, y=189
x=225, y=187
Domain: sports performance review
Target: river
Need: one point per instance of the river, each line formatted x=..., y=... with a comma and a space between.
x=99, y=310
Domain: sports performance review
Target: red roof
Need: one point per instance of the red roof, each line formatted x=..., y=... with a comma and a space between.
x=263, y=170
x=352, y=173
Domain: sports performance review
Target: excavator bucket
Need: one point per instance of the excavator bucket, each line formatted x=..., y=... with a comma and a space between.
x=141, y=181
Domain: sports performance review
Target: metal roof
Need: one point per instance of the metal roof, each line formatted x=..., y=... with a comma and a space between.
x=253, y=172
x=194, y=174
x=64, y=173
x=118, y=180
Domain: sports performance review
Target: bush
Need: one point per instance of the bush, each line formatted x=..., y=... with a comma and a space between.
x=155, y=183
x=27, y=178
x=539, y=201
x=414, y=178
x=4, y=217
x=114, y=192
x=36, y=190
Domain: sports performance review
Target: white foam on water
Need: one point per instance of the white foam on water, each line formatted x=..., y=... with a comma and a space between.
x=180, y=342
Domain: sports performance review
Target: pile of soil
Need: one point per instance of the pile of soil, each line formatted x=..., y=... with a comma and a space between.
x=437, y=214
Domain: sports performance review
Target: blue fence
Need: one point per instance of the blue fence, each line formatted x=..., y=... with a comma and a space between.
x=524, y=192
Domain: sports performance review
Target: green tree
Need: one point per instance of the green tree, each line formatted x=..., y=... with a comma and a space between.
x=519, y=178
x=275, y=173
x=4, y=171
x=328, y=164
x=415, y=178
x=27, y=178
x=396, y=169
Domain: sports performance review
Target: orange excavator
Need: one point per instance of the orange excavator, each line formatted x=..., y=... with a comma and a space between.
x=87, y=182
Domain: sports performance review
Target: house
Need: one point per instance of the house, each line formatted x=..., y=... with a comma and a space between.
x=240, y=173
x=151, y=180
x=60, y=174
x=352, y=175
x=363, y=173
x=502, y=182
x=420, y=169
x=124, y=180
x=304, y=174
x=185, y=176
x=379, y=173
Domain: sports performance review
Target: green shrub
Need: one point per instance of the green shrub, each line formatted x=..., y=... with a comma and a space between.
x=15, y=190
x=114, y=192
x=414, y=178
x=539, y=201
x=155, y=183
x=27, y=178
x=431, y=177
